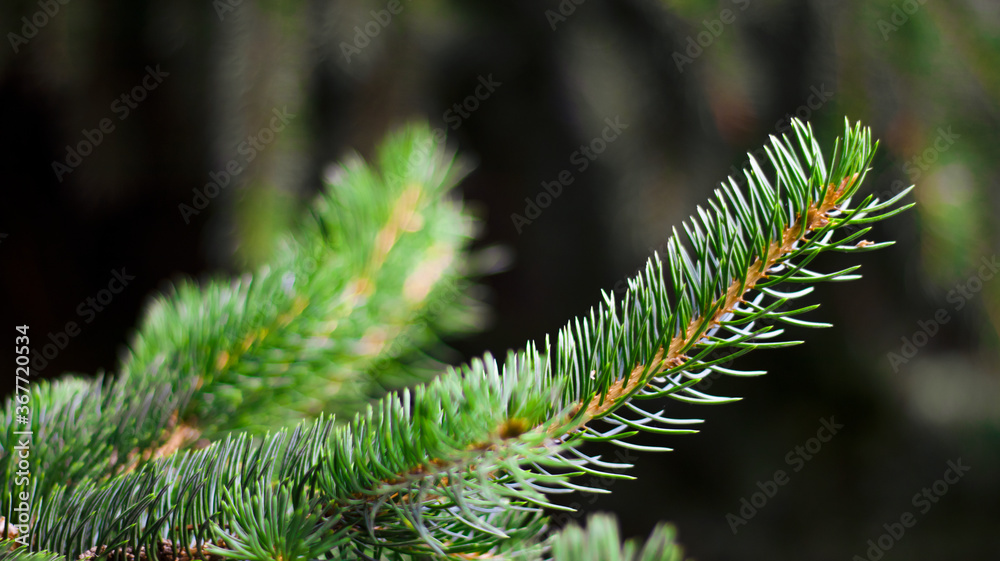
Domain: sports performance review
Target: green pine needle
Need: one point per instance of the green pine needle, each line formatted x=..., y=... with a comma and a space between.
x=461, y=467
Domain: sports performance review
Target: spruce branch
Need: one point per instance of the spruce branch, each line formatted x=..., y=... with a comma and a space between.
x=461, y=467
x=378, y=262
x=302, y=335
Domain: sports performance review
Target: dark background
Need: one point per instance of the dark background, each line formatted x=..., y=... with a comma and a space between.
x=925, y=77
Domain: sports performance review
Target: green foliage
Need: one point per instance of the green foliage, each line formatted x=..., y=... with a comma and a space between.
x=21, y=555
x=600, y=542
x=273, y=522
x=459, y=467
x=333, y=322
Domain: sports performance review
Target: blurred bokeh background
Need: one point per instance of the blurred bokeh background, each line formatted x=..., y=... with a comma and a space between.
x=182, y=89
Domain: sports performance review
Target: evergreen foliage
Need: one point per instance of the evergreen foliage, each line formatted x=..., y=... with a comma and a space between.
x=215, y=438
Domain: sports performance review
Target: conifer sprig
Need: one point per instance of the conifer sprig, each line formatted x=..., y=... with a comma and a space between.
x=377, y=264
x=461, y=467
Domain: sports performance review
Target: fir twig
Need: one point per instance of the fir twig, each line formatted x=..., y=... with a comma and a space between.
x=461, y=467
x=301, y=336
